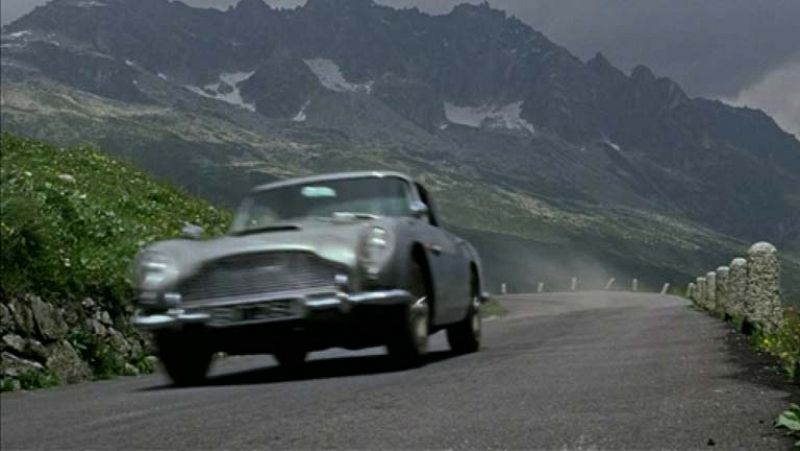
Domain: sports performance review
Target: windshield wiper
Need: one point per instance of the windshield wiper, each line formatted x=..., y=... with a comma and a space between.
x=269, y=228
x=351, y=215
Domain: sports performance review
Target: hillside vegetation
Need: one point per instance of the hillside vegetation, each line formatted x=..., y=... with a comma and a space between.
x=73, y=218
x=71, y=221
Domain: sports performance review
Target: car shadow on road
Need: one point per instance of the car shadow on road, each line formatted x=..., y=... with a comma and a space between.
x=314, y=369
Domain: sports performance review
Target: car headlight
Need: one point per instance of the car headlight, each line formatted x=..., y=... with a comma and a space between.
x=375, y=250
x=154, y=270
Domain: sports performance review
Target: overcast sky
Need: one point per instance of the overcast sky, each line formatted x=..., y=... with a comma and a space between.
x=743, y=51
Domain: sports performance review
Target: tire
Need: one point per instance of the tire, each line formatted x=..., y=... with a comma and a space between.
x=465, y=336
x=408, y=344
x=185, y=362
x=291, y=358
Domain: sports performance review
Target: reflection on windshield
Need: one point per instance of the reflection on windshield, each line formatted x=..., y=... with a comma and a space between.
x=358, y=198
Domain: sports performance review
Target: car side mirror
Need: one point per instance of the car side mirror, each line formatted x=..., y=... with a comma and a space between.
x=192, y=231
x=419, y=210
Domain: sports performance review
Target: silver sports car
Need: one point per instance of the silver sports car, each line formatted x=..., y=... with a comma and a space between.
x=349, y=260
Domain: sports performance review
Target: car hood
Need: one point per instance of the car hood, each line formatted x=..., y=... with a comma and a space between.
x=336, y=240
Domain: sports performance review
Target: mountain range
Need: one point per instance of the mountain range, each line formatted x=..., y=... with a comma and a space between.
x=567, y=166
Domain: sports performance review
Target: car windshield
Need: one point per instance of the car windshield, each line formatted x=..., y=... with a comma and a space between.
x=356, y=197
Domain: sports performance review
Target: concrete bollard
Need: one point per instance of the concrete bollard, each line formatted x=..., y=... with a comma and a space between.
x=737, y=288
x=635, y=285
x=574, y=285
x=665, y=288
x=763, y=286
x=503, y=288
x=701, y=292
x=711, y=291
x=690, y=292
x=722, y=290
x=610, y=283
x=540, y=288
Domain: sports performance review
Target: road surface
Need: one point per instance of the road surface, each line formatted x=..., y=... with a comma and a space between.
x=562, y=371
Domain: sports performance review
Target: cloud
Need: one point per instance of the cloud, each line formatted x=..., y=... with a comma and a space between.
x=777, y=93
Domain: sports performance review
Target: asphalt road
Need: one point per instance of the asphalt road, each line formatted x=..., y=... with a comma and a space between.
x=562, y=371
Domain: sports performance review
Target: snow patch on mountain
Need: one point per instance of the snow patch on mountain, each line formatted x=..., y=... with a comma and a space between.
x=613, y=145
x=489, y=116
x=89, y=4
x=17, y=34
x=330, y=76
x=226, y=89
x=301, y=116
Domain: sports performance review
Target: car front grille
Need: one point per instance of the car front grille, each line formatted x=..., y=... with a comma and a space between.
x=256, y=274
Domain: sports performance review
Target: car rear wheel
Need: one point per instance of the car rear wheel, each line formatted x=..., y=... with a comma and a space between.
x=185, y=361
x=409, y=341
x=465, y=337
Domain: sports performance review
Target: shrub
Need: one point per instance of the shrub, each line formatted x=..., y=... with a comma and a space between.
x=784, y=343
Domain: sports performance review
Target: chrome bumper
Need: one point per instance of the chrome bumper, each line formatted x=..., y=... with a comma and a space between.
x=302, y=307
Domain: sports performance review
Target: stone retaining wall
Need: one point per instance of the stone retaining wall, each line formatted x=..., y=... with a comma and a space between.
x=44, y=344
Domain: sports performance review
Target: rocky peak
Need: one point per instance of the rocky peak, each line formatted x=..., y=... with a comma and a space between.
x=337, y=6
x=643, y=75
x=251, y=6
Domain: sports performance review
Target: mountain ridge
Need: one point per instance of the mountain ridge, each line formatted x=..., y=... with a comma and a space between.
x=473, y=89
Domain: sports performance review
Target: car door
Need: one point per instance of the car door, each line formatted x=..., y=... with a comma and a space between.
x=444, y=256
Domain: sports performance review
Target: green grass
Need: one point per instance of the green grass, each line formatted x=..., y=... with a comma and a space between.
x=493, y=307
x=72, y=219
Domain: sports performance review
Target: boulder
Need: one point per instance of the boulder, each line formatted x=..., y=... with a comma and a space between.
x=63, y=360
x=23, y=317
x=15, y=343
x=49, y=322
x=118, y=342
x=104, y=318
x=763, y=286
x=6, y=319
x=13, y=366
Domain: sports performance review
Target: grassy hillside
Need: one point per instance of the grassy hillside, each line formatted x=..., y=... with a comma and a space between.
x=72, y=219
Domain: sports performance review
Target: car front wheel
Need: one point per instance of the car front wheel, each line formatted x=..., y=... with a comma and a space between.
x=409, y=341
x=184, y=360
x=465, y=336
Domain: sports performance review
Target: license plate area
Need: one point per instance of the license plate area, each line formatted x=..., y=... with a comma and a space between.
x=252, y=313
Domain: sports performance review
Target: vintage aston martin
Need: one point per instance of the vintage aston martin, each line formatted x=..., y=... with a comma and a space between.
x=349, y=260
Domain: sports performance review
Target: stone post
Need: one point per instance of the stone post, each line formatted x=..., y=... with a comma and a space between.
x=723, y=301
x=711, y=291
x=540, y=287
x=690, y=292
x=701, y=292
x=610, y=283
x=574, y=284
x=763, y=286
x=635, y=285
x=737, y=289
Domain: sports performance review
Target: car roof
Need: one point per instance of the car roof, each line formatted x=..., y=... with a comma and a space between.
x=334, y=176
